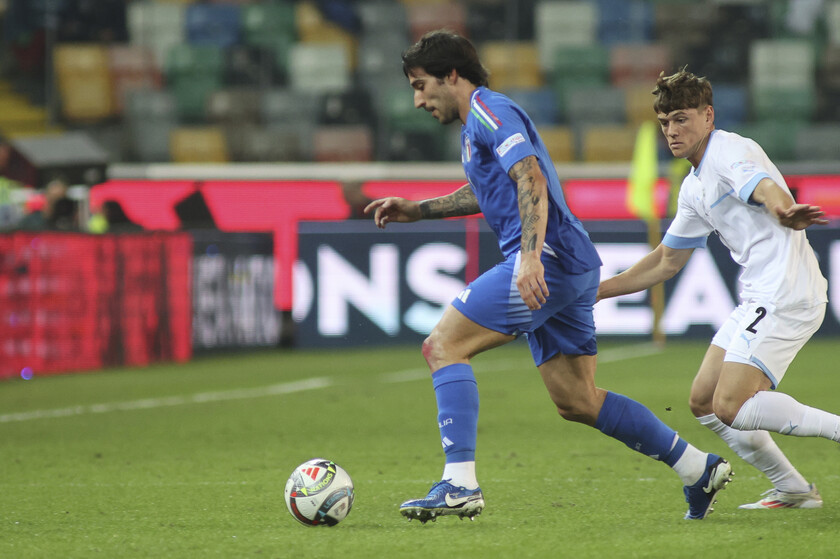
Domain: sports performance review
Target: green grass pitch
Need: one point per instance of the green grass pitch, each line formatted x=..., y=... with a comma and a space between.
x=191, y=460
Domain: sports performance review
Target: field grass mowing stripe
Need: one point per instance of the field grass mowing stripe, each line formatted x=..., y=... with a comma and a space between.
x=607, y=356
x=408, y=375
x=150, y=403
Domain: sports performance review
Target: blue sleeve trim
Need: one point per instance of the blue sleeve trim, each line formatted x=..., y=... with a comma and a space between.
x=672, y=241
x=749, y=188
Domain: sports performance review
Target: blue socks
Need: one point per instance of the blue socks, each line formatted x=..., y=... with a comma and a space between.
x=621, y=418
x=636, y=426
x=457, y=400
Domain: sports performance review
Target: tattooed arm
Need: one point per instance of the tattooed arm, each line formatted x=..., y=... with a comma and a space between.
x=459, y=203
x=533, y=211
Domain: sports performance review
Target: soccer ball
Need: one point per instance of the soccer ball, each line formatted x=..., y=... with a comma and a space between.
x=319, y=493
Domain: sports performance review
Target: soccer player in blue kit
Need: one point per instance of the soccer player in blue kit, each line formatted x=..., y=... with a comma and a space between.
x=545, y=287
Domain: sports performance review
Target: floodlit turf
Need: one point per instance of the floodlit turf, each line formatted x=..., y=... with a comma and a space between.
x=191, y=460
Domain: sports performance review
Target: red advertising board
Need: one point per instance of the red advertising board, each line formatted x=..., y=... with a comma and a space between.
x=72, y=302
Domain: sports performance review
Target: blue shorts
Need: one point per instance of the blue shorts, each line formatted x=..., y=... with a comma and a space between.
x=564, y=324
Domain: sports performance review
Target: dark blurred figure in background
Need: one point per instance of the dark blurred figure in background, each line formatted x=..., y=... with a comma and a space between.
x=64, y=216
x=42, y=219
x=118, y=222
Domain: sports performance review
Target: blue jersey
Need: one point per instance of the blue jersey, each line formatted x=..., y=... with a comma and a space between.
x=497, y=135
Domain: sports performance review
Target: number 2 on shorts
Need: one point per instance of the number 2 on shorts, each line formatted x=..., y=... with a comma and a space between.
x=761, y=312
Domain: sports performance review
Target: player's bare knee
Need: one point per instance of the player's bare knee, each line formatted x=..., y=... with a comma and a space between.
x=574, y=411
x=726, y=409
x=428, y=350
x=700, y=405
x=435, y=352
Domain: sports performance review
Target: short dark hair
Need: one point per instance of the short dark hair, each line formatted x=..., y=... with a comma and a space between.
x=682, y=90
x=439, y=52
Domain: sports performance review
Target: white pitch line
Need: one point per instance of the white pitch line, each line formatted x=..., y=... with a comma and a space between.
x=149, y=403
x=607, y=356
x=408, y=375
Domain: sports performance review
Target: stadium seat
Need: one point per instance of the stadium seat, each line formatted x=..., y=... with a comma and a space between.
x=562, y=24
x=415, y=145
x=20, y=117
x=490, y=21
x=378, y=16
x=731, y=105
x=832, y=22
x=343, y=143
x=319, y=68
x=312, y=27
x=282, y=106
x=669, y=23
x=400, y=114
x=560, y=143
x=596, y=105
x=212, y=24
x=829, y=68
x=589, y=64
x=254, y=67
x=254, y=143
x=639, y=104
x=347, y=107
x=579, y=66
x=156, y=25
x=189, y=61
x=424, y=17
x=233, y=106
x=820, y=142
x=539, y=103
x=132, y=67
x=150, y=116
x=788, y=63
x=624, y=21
x=608, y=143
x=512, y=65
x=264, y=22
x=776, y=137
x=200, y=144
x=638, y=64
x=193, y=73
x=783, y=103
x=379, y=57
x=84, y=82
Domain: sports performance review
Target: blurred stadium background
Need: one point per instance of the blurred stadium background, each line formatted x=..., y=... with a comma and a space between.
x=241, y=138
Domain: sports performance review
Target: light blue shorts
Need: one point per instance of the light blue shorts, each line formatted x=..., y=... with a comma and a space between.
x=564, y=324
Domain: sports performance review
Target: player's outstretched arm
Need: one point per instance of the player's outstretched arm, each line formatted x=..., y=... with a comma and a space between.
x=780, y=204
x=801, y=216
x=460, y=203
x=398, y=210
x=659, y=265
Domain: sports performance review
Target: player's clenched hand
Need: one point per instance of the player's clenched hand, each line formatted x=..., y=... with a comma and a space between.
x=800, y=216
x=400, y=210
x=531, y=281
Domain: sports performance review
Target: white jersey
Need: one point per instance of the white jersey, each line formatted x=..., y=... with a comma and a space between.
x=778, y=265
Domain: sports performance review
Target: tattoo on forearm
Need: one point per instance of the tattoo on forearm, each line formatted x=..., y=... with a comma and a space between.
x=524, y=173
x=459, y=203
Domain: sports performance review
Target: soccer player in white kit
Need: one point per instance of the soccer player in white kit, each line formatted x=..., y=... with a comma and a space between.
x=735, y=191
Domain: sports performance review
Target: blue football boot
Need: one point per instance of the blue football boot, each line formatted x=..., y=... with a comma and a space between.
x=444, y=499
x=701, y=496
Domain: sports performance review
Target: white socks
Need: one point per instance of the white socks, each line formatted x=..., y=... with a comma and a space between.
x=461, y=474
x=691, y=465
x=778, y=412
x=760, y=450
